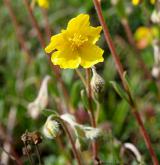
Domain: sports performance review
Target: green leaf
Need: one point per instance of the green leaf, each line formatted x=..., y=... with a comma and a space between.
x=75, y=93
x=120, y=116
x=84, y=98
x=48, y=112
x=119, y=90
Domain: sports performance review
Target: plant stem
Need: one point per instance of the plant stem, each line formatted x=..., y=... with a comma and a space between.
x=47, y=26
x=121, y=71
x=42, y=42
x=38, y=154
x=133, y=44
x=34, y=23
x=81, y=77
x=75, y=152
x=92, y=117
x=28, y=154
x=18, y=31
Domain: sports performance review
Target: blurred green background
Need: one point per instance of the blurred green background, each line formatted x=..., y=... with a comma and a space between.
x=20, y=81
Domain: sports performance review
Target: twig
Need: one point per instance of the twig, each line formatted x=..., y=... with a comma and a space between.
x=121, y=71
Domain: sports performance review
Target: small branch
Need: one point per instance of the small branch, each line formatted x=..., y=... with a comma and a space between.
x=121, y=71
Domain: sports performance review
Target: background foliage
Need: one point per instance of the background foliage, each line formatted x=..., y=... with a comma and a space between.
x=20, y=81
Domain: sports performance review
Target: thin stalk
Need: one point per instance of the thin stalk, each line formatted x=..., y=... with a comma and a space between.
x=28, y=154
x=18, y=31
x=47, y=26
x=38, y=154
x=130, y=38
x=92, y=117
x=74, y=149
x=34, y=23
x=97, y=110
x=121, y=71
x=81, y=77
x=42, y=42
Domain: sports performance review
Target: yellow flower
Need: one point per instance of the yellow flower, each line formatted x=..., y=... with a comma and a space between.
x=152, y=1
x=76, y=45
x=145, y=35
x=43, y=3
x=135, y=2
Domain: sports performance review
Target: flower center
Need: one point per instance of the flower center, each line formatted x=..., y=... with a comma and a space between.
x=77, y=40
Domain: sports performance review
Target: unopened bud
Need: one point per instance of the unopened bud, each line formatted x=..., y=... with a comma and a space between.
x=51, y=128
x=97, y=85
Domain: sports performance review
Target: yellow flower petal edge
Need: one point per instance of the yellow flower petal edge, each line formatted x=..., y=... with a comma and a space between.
x=135, y=2
x=43, y=3
x=76, y=45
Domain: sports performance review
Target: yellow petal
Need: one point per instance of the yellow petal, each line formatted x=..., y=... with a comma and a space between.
x=79, y=22
x=152, y=1
x=90, y=55
x=135, y=2
x=57, y=42
x=65, y=59
x=93, y=33
x=43, y=3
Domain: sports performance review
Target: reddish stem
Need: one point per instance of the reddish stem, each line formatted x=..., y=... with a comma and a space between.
x=133, y=44
x=56, y=69
x=18, y=31
x=74, y=149
x=47, y=26
x=120, y=71
x=34, y=23
x=92, y=117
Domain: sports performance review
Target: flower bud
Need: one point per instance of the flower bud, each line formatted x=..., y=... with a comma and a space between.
x=51, y=128
x=97, y=85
